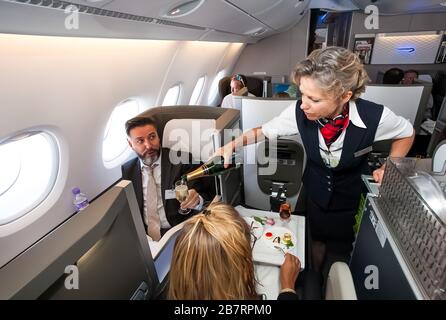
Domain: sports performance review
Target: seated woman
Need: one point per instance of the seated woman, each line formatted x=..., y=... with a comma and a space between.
x=239, y=87
x=212, y=259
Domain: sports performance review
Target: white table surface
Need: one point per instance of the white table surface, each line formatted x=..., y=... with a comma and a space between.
x=267, y=274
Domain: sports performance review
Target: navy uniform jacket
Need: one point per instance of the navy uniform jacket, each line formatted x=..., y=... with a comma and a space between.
x=339, y=188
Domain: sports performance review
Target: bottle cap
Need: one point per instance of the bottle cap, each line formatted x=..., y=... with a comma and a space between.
x=76, y=190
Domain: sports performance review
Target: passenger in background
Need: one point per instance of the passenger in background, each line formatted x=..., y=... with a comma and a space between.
x=153, y=177
x=410, y=76
x=393, y=76
x=212, y=259
x=338, y=130
x=239, y=87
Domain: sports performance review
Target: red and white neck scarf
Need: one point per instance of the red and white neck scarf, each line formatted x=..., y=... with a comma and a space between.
x=331, y=129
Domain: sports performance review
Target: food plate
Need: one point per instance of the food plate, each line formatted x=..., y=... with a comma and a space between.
x=280, y=239
x=255, y=228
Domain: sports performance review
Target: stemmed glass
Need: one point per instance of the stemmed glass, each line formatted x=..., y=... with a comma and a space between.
x=181, y=193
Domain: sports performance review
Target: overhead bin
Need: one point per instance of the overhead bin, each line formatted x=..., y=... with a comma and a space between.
x=276, y=14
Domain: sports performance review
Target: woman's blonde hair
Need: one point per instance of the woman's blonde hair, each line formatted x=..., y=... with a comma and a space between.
x=212, y=257
x=336, y=70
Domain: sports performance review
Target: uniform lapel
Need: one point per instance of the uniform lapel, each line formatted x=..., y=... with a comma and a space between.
x=353, y=138
x=137, y=179
x=314, y=141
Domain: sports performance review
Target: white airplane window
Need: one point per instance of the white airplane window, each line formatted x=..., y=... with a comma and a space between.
x=213, y=93
x=198, y=90
x=28, y=169
x=115, y=148
x=172, y=96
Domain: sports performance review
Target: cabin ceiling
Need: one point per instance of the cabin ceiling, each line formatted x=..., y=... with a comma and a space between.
x=245, y=21
x=213, y=20
x=242, y=17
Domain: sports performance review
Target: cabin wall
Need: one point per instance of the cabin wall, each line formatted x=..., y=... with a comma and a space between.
x=276, y=55
x=70, y=86
x=400, y=23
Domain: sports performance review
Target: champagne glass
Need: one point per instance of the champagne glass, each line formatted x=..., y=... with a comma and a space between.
x=181, y=193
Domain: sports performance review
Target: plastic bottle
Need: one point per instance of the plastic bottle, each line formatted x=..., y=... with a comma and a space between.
x=213, y=167
x=80, y=200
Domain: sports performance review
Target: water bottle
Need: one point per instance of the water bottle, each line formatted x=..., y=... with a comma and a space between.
x=80, y=200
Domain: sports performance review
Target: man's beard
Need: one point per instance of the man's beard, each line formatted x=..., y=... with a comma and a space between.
x=150, y=159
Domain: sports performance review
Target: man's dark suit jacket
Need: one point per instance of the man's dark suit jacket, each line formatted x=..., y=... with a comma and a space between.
x=170, y=173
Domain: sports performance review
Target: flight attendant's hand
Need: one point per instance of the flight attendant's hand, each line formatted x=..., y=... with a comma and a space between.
x=378, y=174
x=191, y=201
x=225, y=151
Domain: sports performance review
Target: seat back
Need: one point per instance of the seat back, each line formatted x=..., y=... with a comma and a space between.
x=425, y=78
x=200, y=130
x=340, y=283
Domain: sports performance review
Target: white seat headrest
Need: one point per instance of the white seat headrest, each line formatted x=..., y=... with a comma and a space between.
x=425, y=77
x=190, y=135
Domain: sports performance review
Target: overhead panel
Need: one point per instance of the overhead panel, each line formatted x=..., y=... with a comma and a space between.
x=277, y=14
x=215, y=14
x=21, y=18
x=96, y=4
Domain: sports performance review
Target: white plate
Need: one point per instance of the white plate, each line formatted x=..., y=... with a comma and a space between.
x=255, y=227
x=278, y=233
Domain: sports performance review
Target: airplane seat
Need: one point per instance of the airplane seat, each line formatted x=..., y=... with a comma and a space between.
x=199, y=130
x=101, y=253
x=340, y=283
x=190, y=135
x=425, y=78
x=255, y=86
x=224, y=87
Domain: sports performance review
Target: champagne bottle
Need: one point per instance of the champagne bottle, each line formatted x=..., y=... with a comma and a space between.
x=213, y=167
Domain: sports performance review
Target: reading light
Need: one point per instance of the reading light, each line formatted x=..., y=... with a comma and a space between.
x=183, y=9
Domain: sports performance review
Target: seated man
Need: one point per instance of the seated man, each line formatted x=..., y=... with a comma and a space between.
x=238, y=82
x=410, y=76
x=153, y=177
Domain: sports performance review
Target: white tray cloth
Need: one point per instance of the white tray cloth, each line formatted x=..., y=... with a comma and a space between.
x=263, y=252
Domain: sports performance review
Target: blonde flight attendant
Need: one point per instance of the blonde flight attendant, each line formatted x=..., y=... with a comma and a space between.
x=338, y=130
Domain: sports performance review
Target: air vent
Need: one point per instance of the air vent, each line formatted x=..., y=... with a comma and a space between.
x=62, y=5
x=256, y=32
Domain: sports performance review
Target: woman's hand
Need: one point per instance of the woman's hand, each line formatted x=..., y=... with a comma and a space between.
x=289, y=271
x=378, y=174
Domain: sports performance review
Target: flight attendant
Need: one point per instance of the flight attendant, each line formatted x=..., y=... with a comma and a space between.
x=338, y=130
